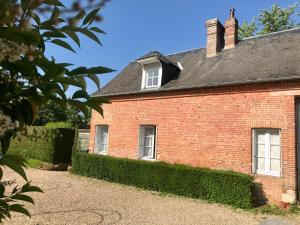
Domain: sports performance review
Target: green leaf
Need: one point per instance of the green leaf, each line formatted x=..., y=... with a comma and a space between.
x=82, y=82
x=80, y=94
x=2, y=189
x=20, y=209
x=36, y=18
x=90, y=17
x=79, y=71
x=96, y=106
x=94, y=78
x=24, y=198
x=81, y=106
x=63, y=44
x=28, y=188
x=91, y=35
x=80, y=15
x=99, y=70
x=55, y=14
x=53, y=2
x=68, y=81
x=25, y=4
x=19, y=159
x=8, y=160
x=98, y=30
x=15, y=34
x=65, y=87
x=53, y=34
x=73, y=36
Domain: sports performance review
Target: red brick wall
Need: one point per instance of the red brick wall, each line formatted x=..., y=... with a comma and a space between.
x=207, y=128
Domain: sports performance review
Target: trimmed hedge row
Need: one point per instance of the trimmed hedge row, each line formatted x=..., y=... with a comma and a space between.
x=45, y=144
x=225, y=187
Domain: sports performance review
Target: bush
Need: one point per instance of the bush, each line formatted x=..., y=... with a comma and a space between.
x=34, y=163
x=213, y=185
x=59, y=125
x=45, y=144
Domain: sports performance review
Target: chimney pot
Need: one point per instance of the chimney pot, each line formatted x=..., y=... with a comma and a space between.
x=231, y=31
x=232, y=13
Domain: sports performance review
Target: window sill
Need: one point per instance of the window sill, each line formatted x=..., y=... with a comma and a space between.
x=147, y=159
x=151, y=88
x=101, y=153
x=262, y=174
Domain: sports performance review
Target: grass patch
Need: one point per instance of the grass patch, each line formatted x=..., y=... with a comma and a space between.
x=34, y=163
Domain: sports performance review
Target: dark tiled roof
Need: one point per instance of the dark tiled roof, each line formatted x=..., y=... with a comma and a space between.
x=265, y=58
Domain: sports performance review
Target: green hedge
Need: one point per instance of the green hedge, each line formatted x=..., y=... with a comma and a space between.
x=59, y=125
x=213, y=185
x=45, y=144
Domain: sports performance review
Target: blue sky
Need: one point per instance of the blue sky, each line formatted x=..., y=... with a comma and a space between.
x=135, y=27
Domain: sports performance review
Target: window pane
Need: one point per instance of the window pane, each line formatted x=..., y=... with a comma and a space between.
x=275, y=138
x=261, y=150
x=261, y=163
x=147, y=152
x=155, y=81
x=152, y=72
x=275, y=165
x=149, y=131
x=103, y=138
x=148, y=141
x=149, y=81
x=261, y=138
x=275, y=151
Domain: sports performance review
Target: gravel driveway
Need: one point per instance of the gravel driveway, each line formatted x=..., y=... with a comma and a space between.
x=69, y=199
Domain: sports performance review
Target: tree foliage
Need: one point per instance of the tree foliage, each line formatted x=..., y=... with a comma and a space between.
x=52, y=112
x=29, y=79
x=269, y=20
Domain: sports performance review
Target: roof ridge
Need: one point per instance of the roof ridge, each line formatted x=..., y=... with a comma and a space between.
x=271, y=34
x=184, y=51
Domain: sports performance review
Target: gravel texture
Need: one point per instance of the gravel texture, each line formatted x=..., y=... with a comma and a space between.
x=70, y=199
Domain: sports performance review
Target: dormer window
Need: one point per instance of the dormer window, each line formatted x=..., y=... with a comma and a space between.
x=157, y=70
x=152, y=75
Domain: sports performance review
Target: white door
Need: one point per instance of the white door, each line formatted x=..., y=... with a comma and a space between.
x=101, y=139
x=147, y=139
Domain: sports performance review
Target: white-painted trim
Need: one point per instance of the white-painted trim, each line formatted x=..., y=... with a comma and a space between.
x=141, y=143
x=267, y=152
x=96, y=145
x=179, y=66
x=144, y=74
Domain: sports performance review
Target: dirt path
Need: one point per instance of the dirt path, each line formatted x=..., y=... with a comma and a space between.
x=70, y=199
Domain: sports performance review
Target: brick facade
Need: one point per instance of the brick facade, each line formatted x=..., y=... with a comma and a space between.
x=208, y=128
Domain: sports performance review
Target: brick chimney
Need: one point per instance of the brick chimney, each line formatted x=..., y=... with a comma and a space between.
x=231, y=31
x=215, y=37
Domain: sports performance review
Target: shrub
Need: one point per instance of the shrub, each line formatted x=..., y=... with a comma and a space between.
x=45, y=144
x=59, y=125
x=34, y=163
x=213, y=185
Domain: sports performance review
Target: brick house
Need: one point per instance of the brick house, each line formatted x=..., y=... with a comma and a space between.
x=232, y=105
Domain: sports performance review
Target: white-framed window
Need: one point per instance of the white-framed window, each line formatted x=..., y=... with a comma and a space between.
x=147, y=139
x=267, y=152
x=101, y=139
x=152, y=74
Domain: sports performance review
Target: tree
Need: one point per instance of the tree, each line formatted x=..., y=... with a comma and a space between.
x=52, y=112
x=29, y=79
x=247, y=29
x=273, y=20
